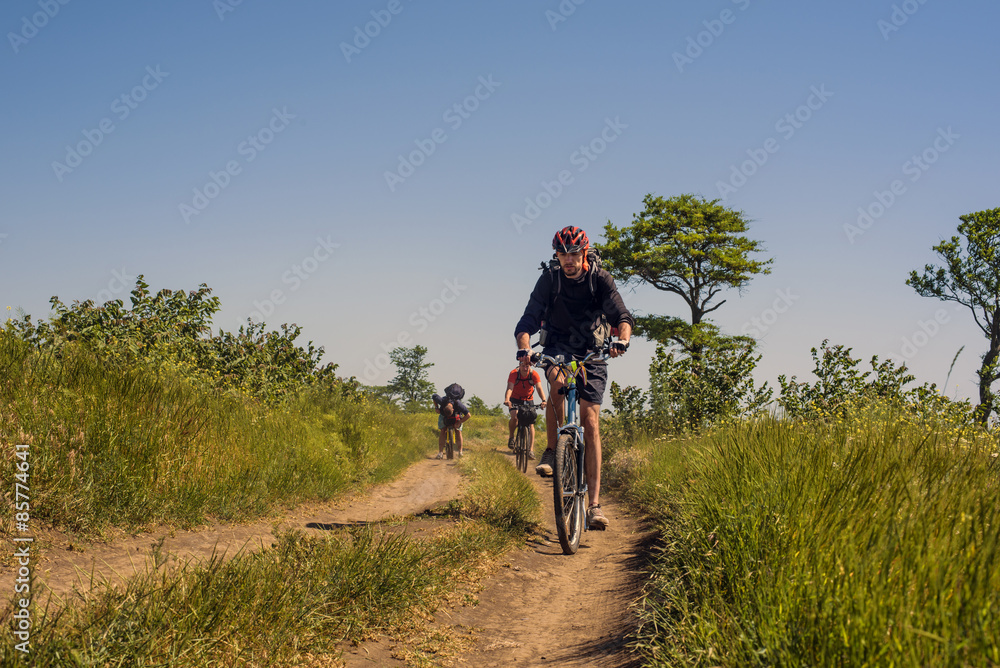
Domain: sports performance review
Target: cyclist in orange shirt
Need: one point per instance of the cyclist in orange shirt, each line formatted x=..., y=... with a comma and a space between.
x=521, y=385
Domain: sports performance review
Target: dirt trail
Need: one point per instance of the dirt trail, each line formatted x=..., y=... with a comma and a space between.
x=541, y=608
x=66, y=566
x=544, y=608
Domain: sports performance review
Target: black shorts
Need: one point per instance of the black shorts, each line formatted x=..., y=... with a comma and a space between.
x=597, y=377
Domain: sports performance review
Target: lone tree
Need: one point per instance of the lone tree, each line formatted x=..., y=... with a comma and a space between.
x=695, y=249
x=971, y=277
x=689, y=246
x=411, y=384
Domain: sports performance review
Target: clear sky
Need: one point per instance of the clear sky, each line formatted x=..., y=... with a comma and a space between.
x=355, y=167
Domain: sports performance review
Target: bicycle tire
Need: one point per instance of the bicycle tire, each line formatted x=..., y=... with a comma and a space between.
x=567, y=502
x=521, y=450
x=450, y=444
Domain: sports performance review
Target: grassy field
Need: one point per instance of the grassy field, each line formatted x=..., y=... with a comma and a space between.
x=862, y=540
x=138, y=446
x=128, y=448
x=296, y=604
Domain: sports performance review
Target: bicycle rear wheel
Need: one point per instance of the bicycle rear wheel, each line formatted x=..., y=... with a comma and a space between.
x=567, y=503
x=521, y=449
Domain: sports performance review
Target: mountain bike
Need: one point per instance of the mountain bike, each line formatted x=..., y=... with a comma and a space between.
x=521, y=439
x=569, y=472
x=449, y=443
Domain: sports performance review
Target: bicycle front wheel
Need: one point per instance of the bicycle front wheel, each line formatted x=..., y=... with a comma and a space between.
x=521, y=449
x=567, y=502
x=450, y=446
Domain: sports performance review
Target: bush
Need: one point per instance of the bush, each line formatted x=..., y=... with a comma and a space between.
x=841, y=386
x=171, y=330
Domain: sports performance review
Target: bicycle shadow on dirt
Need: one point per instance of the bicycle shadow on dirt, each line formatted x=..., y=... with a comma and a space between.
x=333, y=526
x=616, y=648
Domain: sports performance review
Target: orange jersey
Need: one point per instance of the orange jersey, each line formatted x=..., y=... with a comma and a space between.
x=524, y=388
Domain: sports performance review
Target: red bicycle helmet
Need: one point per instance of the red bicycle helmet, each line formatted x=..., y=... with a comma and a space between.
x=570, y=239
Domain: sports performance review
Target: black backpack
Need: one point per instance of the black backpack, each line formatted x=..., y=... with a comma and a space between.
x=602, y=328
x=454, y=392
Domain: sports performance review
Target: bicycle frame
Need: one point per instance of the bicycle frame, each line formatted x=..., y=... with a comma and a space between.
x=573, y=428
x=570, y=500
x=521, y=446
x=450, y=441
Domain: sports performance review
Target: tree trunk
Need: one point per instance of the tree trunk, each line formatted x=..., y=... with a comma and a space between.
x=696, y=348
x=988, y=373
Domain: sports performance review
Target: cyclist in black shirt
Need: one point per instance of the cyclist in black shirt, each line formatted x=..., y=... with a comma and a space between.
x=571, y=300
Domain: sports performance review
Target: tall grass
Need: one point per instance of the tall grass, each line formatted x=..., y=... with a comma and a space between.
x=868, y=540
x=139, y=445
x=293, y=604
x=501, y=495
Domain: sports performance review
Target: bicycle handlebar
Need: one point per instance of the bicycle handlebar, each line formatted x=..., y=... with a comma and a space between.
x=560, y=360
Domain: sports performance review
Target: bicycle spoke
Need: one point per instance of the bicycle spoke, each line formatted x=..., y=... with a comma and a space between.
x=566, y=500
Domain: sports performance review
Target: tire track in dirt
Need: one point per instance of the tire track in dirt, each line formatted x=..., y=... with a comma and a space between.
x=66, y=569
x=540, y=608
x=544, y=608
x=551, y=609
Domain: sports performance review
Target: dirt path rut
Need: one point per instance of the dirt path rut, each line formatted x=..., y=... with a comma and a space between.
x=66, y=567
x=544, y=608
x=541, y=608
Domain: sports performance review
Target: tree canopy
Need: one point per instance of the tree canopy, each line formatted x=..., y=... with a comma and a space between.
x=695, y=249
x=685, y=245
x=410, y=384
x=971, y=277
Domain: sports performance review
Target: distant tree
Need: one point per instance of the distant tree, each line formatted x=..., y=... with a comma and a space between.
x=478, y=407
x=688, y=246
x=411, y=385
x=971, y=277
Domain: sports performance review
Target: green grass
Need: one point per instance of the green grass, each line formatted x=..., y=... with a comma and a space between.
x=866, y=541
x=295, y=603
x=114, y=447
x=500, y=494
x=138, y=446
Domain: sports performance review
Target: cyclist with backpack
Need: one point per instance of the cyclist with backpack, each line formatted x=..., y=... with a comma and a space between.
x=451, y=413
x=521, y=385
x=576, y=305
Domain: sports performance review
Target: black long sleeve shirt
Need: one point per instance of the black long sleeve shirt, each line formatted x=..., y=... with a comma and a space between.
x=575, y=311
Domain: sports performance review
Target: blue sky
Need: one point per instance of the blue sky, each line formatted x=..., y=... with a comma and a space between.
x=247, y=146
